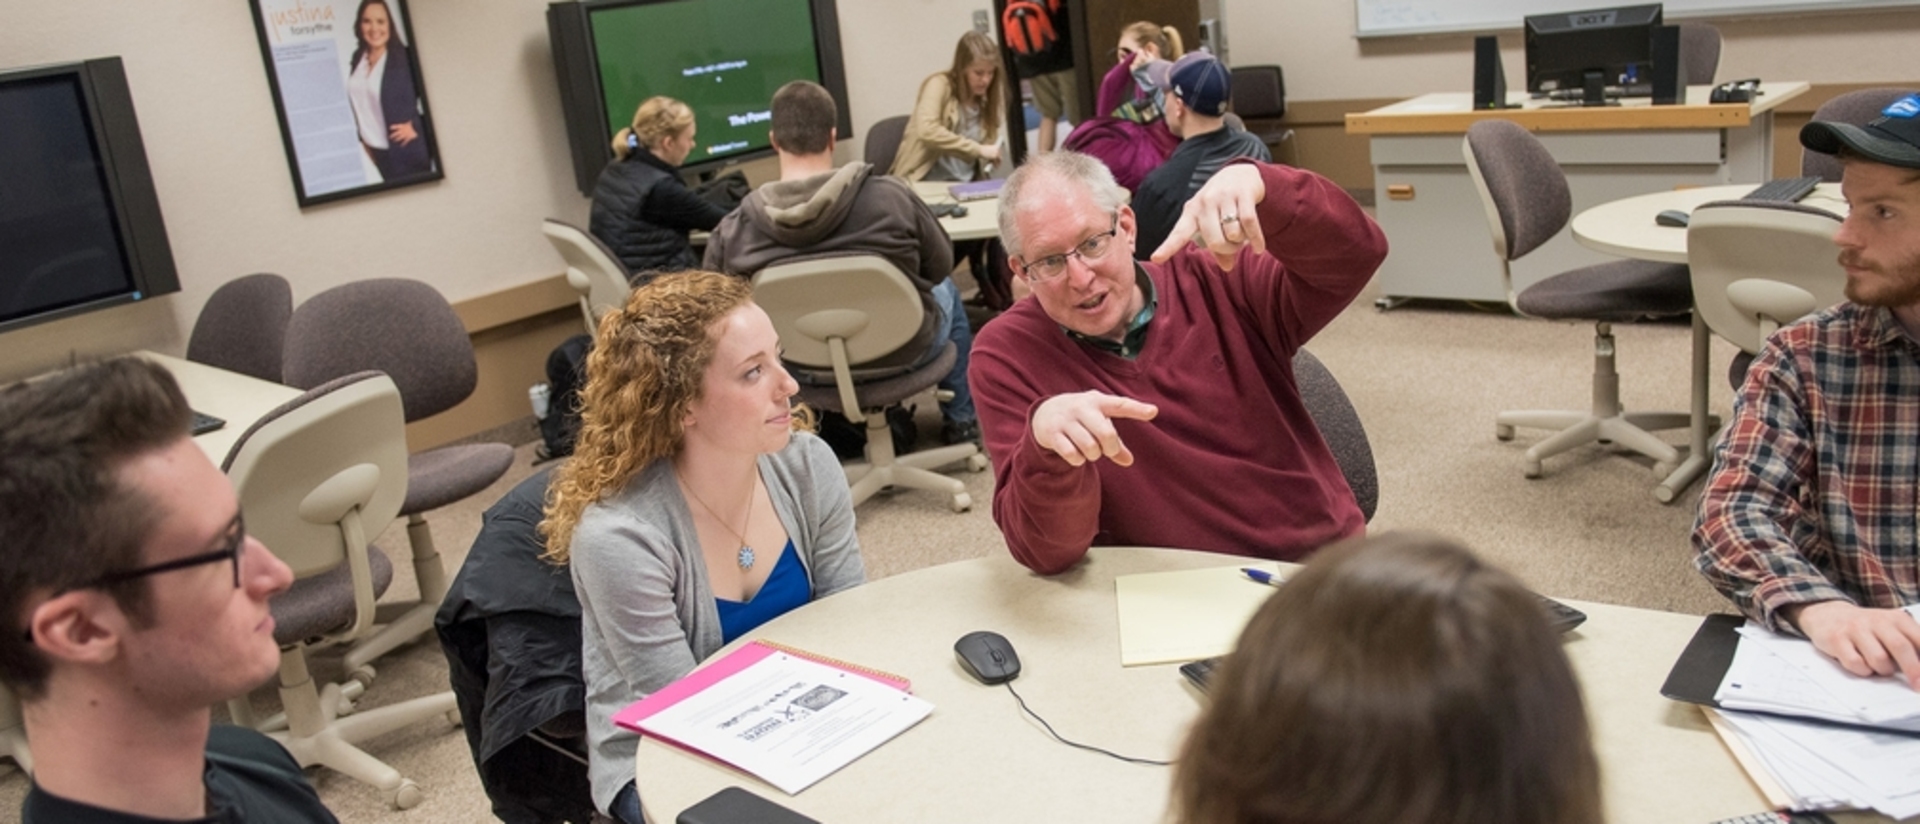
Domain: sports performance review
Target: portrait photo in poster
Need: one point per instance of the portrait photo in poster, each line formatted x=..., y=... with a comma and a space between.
x=346, y=85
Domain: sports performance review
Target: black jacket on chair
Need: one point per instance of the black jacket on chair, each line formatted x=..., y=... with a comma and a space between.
x=510, y=628
x=643, y=213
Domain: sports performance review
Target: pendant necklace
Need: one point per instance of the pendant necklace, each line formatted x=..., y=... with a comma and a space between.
x=745, y=557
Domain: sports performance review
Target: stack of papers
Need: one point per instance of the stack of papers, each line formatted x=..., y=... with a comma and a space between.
x=1874, y=762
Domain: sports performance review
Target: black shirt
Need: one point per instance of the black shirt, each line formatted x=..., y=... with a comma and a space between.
x=250, y=779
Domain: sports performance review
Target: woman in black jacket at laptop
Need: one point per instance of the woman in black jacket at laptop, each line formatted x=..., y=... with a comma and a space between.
x=641, y=210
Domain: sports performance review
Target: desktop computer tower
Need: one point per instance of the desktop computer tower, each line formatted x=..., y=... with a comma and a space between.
x=1489, y=78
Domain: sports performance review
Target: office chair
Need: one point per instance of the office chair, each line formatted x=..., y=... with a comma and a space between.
x=1527, y=204
x=318, y=478
x=1760, y=265
x=1855, y=107
x=1340, y=425
x=1699, y=53
x=1260, y=94
x=407, y=330
x=13, y=731
x=243, y=327
x=883, y=142
x=836, y=315
x=593, y=270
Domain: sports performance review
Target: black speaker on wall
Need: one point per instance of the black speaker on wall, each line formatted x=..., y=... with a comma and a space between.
x=1669, y=73
x=1489, y=79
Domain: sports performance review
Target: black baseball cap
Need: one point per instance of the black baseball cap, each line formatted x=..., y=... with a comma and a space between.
x=1893, y=138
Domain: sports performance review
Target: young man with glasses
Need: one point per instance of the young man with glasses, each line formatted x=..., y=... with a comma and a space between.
x=1154, y=403
x=134, y=601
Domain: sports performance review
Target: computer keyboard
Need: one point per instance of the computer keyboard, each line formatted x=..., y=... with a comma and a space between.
x=1561, y=616
x=1783, y=190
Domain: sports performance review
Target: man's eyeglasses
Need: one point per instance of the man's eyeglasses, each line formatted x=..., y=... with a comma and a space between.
x=1091, y=249
x=233, y=542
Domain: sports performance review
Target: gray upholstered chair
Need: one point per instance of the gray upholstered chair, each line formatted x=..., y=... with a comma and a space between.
x=593, y=270
x=1527, y=204
x=1340, y=425
x=318, y=478
x=1855, y=107
x=1700, y=53
x=835, y=314
x=243, y=327
x=883, y=142
x=1759, y=265
x=407, y=330
x=1260, y=99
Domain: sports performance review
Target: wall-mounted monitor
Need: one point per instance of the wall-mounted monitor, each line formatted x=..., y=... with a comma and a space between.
x=1592, y=56
x=724, y=58
x=80, y=225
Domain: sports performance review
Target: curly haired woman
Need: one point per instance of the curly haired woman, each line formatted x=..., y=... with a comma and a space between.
x=695, y=506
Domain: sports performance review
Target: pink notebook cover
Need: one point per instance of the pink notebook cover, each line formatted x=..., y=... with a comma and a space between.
x=718, y=671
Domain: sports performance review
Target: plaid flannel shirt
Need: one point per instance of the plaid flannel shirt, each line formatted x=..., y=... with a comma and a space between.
x=1816, y=482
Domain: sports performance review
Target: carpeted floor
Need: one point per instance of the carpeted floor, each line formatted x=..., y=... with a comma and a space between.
x=1426, y=380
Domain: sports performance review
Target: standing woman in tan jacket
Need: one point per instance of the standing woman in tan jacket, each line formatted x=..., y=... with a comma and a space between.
x=954, y=133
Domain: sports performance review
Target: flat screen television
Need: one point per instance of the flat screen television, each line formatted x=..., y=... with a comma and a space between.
x=80, y=225
x=1590, y=56
x=724, y=58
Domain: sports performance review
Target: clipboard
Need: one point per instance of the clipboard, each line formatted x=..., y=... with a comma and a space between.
x=1696, y=677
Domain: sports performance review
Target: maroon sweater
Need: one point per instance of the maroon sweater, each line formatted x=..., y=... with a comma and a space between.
x=1233, y=462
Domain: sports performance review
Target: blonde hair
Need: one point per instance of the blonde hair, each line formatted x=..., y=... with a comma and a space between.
x=973, y=48
x=648, y=364
x=657, y=119
x=1164, y=38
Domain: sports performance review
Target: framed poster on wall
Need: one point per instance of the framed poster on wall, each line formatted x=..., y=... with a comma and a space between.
x=347, y=88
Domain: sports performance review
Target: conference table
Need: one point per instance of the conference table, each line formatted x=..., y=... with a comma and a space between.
x=1626, y=228
x=977, y=758
x=1427, y=203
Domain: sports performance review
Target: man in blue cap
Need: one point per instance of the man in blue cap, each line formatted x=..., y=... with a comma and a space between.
x=1198, y=88
x=1807, y=522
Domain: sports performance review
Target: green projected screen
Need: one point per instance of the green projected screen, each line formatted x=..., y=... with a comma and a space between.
x=725, y=58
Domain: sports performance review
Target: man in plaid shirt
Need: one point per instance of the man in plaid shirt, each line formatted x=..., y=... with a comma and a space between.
x=1808, y=520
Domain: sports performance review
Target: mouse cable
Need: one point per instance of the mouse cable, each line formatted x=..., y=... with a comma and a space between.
x=1056, y=736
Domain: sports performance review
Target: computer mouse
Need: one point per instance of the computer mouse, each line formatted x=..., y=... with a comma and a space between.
x=987, y=657
x=1673, y=217
x=958, y=210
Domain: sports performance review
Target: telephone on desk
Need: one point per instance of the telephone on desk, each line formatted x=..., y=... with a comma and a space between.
x=1737, y=91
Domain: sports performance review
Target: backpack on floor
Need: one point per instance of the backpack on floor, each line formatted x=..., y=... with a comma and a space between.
x=566, y=371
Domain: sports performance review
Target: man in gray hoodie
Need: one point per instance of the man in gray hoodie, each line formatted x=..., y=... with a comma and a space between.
x=817, y=210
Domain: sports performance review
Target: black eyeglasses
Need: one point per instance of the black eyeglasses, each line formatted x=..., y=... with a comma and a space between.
x=1052, y=266
x=233, y=541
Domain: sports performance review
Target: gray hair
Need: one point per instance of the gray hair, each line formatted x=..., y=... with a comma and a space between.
x=1063, y=166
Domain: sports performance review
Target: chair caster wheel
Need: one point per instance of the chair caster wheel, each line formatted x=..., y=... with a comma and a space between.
x=1502, y=432
x=977, y=463
x=961, y=502
x=1533, y=469
x=363, y=675
x=1664, y=495
x=453, y=717
x=1662, y=469
x=406, y=796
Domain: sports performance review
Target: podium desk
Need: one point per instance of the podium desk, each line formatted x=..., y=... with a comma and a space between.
x=977, y=758
x=239, y=399
x=1436, y=226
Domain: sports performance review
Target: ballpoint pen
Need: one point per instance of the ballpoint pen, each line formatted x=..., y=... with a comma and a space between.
x=1260, y=576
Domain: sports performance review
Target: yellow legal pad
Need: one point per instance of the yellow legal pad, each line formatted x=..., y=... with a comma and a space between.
x=1172, y=617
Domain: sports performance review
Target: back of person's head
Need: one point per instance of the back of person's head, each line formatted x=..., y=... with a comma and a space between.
x=975, y=47
x=1394, y=679
x=1201, y=83
x=67, y=514
x=645, y=372
x=1057, y=168
x=804, y=115
x=657, y=119
x=1164, y=38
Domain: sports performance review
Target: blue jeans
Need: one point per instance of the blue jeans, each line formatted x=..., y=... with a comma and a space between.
x=626, y=805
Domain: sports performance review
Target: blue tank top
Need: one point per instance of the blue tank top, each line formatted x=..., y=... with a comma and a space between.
x=787, y=587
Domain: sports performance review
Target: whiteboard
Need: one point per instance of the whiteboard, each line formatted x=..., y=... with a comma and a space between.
x=1386, y=18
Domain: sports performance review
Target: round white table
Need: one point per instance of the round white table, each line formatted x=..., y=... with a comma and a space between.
x=977, y=758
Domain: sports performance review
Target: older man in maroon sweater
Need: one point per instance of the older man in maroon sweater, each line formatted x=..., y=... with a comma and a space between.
x=1155, y=403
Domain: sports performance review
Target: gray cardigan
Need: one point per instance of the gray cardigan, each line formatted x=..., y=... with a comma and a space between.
x=647, y=613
